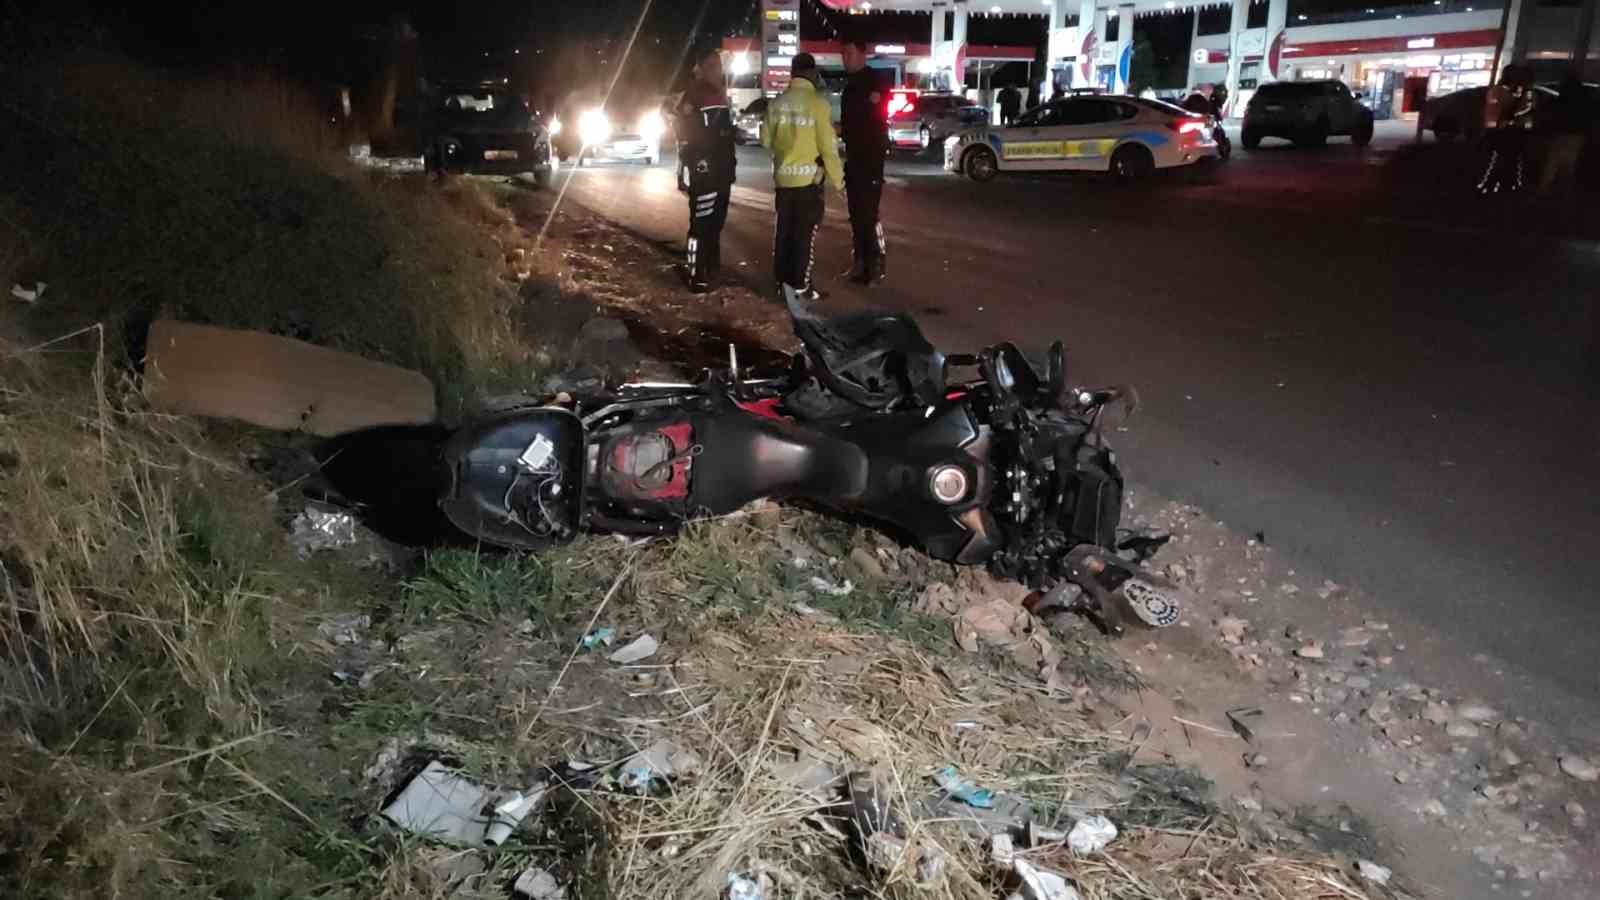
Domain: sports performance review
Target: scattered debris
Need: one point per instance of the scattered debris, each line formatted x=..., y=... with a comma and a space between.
x=1042, y=884
x=662, y=761
x=1373, y=872
x=1436, y=713
x=824, y=586
x=1310, y=650
x=537, y=884
x=963, y=790
x=1091, y=835
x=1435, y=808
x=641, y=648
x=442, y=805
x=599, y=637
x=29, y=295
x=346, y=629
x=1248, y=804
x=509, y=813
x=320, y=527
x=1579, y=768
x=1478, y=714
x=742, y=888
x=1002, y=851
x=868, y=564
x=1461, y=729
x=1236, y=718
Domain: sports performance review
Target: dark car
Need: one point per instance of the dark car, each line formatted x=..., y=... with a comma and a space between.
x=921, y=122
x=1460, y=114
x=485, y=130
x=1306, y=112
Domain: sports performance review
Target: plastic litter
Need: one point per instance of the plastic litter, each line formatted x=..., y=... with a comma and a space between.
x=509, y=813
x=963, y=790
x=642, y=648
x=599, y=637
x=1043, y=884
x=823, y=585
x=345, y=629
x=440, y=804
x=321, y=529
x=1091, y=835
x=1373, y=872
x=537, y=884
x=27, y=295
x=742, y=888
x=661, y=760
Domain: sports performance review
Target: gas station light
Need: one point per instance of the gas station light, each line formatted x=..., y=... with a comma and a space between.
x=741, y=64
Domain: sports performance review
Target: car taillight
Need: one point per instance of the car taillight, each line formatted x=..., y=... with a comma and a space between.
x=901, y=104
x=1186, y=126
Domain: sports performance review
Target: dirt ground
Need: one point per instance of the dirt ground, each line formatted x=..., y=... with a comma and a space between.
x=1347, y=745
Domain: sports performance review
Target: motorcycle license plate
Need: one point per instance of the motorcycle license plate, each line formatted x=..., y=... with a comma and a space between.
x=498, y=155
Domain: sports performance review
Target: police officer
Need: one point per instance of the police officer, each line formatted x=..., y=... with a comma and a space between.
x=864, y=123
x=805, y=156
x=706, y=164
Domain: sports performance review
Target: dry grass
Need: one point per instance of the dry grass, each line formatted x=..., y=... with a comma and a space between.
x=760, y=683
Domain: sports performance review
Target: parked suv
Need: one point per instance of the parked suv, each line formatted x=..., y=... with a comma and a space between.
x=1306, y=112
x=921, y=122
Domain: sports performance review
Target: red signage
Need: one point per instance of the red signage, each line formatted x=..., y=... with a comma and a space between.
x=1091, y=46
x=1274, y=53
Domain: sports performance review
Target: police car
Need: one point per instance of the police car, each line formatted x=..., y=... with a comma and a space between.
x=1128, y=137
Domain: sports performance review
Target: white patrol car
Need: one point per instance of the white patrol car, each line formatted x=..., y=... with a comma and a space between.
x=1126, y=136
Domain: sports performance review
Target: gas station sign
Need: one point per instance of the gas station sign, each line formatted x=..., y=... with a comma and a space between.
x=780, y=41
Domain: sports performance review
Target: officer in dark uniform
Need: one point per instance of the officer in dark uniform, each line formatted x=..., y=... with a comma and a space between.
x=706, y=164
x=864, y=123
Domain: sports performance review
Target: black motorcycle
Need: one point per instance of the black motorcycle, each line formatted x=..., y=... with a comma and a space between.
x=1007, y=467
x=1220, y=135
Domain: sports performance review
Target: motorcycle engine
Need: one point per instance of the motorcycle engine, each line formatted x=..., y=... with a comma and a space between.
x=1061, y=488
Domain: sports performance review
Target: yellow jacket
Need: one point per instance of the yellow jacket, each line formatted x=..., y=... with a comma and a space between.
x=799, y=132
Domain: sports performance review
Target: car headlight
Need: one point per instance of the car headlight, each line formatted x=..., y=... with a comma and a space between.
x=652, y=125
x=555, y=127
x=594, y=127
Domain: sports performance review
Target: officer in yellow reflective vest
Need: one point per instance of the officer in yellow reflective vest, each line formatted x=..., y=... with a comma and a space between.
x=805, y=154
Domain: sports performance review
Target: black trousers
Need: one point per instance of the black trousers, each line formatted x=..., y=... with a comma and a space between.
x=794, y=237
x=864, y=187
x=708, y=212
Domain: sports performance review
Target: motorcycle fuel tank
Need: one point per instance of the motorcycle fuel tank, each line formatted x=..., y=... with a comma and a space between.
x=516, y=479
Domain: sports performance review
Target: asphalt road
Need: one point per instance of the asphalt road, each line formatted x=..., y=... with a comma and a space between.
x=1360, y=372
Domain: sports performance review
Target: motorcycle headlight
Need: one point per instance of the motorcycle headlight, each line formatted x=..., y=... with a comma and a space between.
x=652, y=126
x=594, y=127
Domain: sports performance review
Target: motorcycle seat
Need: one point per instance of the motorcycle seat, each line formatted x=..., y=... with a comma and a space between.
x=876, y=360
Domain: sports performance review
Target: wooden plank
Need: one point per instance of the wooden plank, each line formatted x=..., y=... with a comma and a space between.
x=278, y=382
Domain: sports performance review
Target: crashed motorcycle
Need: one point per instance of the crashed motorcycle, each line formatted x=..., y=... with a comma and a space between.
x=1007, y=467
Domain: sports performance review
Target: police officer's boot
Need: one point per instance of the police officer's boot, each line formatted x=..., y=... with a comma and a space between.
x=698, y=283
x=877, y=270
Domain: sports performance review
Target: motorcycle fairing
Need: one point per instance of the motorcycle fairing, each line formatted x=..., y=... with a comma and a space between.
x=516, y=479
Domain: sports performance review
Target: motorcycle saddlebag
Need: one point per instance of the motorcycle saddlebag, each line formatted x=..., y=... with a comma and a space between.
x=516, y=479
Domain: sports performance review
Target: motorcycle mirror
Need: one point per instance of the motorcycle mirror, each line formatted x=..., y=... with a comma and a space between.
x=1056, y=374
x=1017, y=375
